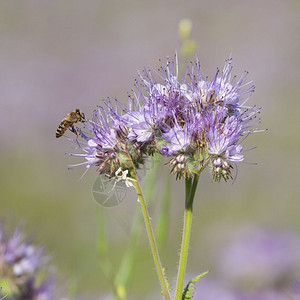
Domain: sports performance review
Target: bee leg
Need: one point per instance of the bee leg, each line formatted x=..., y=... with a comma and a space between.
x=73, y=129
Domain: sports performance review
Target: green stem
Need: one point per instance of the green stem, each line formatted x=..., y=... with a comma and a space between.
x=151, y=238
x=125, y=270
x=190, y=190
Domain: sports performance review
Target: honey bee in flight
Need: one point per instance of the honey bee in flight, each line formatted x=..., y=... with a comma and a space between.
x=72, y=117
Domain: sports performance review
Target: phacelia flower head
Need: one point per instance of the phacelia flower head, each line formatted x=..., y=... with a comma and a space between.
x=21, y=256
x=194, y=121
x=212, y=116
x=20, y=265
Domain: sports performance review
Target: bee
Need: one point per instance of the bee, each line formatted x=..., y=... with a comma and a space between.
x=72, y=117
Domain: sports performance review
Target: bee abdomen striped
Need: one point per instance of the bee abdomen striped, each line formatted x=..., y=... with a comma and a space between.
x=62, y=128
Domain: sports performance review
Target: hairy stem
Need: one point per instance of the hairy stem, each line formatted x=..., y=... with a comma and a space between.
x=151, y=238
x=190, y=190
x=125, y=270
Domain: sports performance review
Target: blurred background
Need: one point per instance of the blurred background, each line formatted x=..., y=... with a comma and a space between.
x=56, y=56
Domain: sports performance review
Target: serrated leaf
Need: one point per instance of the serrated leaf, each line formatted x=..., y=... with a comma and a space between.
x=188, y=292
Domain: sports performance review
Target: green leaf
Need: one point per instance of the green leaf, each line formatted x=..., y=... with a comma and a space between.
x=188, y=292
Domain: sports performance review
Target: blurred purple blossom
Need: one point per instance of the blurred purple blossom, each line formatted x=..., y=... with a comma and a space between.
x=214, y=290
x=261, y=257
x=20, y=264
x=22, y=256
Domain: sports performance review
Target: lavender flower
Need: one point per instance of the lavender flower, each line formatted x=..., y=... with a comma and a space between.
x=194, y=121
x=261, y=258
x=219, y=119
x=23, y=258
x=178, y=139
x=101, y=143
x=295, y=291
x=20, y=263
x=214, y=290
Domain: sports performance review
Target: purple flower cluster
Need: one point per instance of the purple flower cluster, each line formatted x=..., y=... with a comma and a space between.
x=262, y=257
x=257, y=264
x=20, y=263
x=194, y=121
